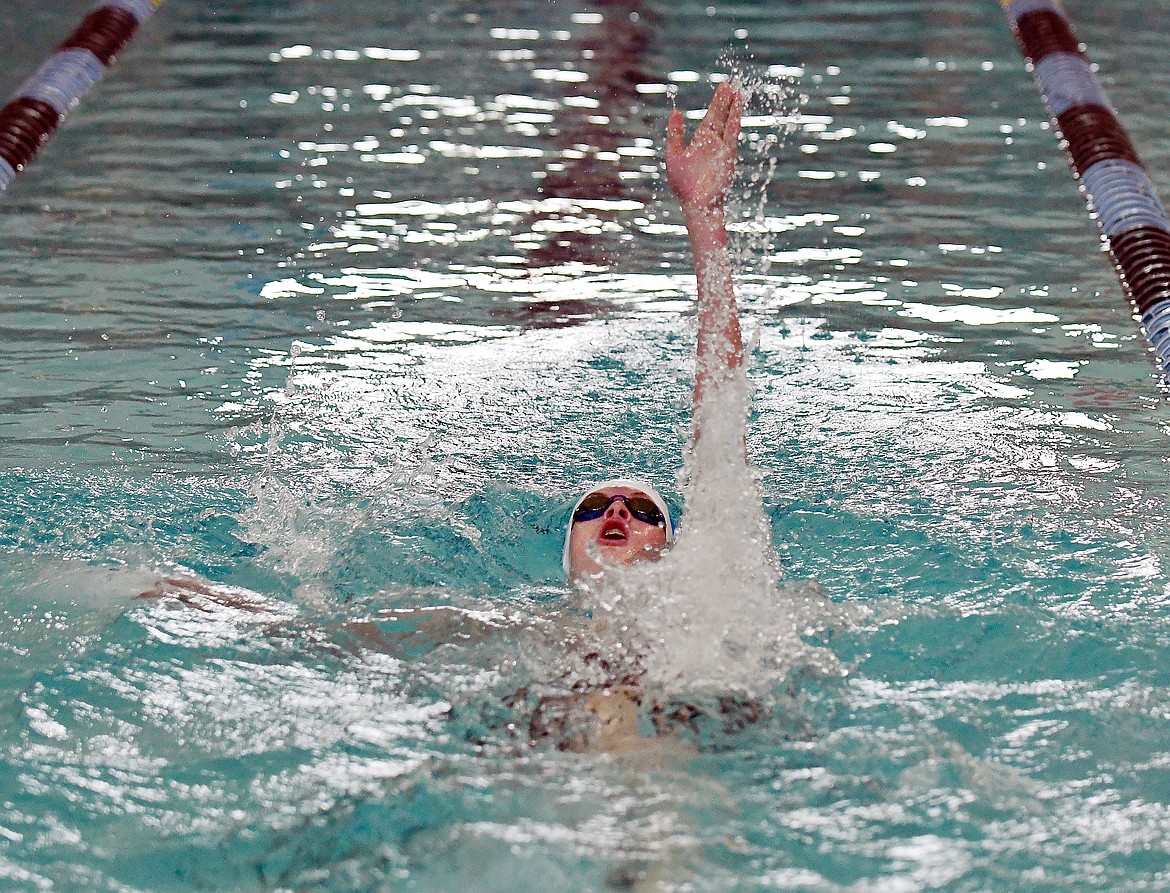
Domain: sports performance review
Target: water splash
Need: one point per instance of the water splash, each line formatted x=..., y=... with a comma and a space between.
x=715, y=614
x=307, y=505
x=305, y=522
x=772, y=107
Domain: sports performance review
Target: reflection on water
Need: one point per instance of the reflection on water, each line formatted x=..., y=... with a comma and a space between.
x=336, y=306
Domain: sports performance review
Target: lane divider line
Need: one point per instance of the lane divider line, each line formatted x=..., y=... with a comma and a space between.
x=1131, y=217
x=37, y=109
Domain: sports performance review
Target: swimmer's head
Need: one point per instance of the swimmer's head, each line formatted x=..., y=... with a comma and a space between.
x=614, y=523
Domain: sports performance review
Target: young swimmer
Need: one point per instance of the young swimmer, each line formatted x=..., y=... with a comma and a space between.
x=620, y=521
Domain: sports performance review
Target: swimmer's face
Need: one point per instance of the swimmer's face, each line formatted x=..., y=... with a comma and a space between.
x=616, y=537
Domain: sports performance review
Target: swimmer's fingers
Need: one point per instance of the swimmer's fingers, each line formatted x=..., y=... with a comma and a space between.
x=701, y=171
x=716, y=115
x=734, y=122
x=675, y=136
x=730, y=114
x=715, y=121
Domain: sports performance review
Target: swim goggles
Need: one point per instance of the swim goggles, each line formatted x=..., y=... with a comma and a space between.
x=642, y=508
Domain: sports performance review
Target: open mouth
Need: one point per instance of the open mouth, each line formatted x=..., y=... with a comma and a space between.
x=613, y=533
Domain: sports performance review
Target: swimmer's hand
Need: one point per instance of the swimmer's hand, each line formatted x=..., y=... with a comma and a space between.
x=701, y=173
x=206, y=596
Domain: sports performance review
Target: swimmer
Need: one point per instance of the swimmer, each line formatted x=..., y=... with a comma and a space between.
x=620, y=521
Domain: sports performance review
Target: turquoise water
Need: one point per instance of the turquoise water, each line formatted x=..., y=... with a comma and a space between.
x=334, y=307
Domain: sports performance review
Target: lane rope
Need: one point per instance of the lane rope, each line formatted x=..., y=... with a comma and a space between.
x=37, y=109
x=1131, y=217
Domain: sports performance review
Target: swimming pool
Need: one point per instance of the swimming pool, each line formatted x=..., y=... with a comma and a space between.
x=340, y=304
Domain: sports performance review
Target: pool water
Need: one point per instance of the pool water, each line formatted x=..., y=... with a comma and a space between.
x=334, y=308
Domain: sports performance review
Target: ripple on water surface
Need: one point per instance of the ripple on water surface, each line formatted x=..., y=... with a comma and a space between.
x=359, y=299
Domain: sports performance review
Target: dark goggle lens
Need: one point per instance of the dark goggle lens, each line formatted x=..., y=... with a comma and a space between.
x=592, y=506
x=641, y=507
x=645, y=510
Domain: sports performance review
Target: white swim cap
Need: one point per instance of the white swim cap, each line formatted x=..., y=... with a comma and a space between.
x=630, y=484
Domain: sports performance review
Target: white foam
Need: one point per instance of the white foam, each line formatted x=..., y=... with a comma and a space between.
x=715, y=614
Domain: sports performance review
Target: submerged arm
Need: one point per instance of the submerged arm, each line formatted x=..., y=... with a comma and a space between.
x=701, y=174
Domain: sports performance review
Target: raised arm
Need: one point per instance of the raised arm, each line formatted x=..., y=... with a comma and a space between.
x=701, y=173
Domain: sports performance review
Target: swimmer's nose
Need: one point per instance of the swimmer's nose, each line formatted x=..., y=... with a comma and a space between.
x=618, y=508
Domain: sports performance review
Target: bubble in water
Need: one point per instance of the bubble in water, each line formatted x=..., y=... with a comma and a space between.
x=289, y=382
